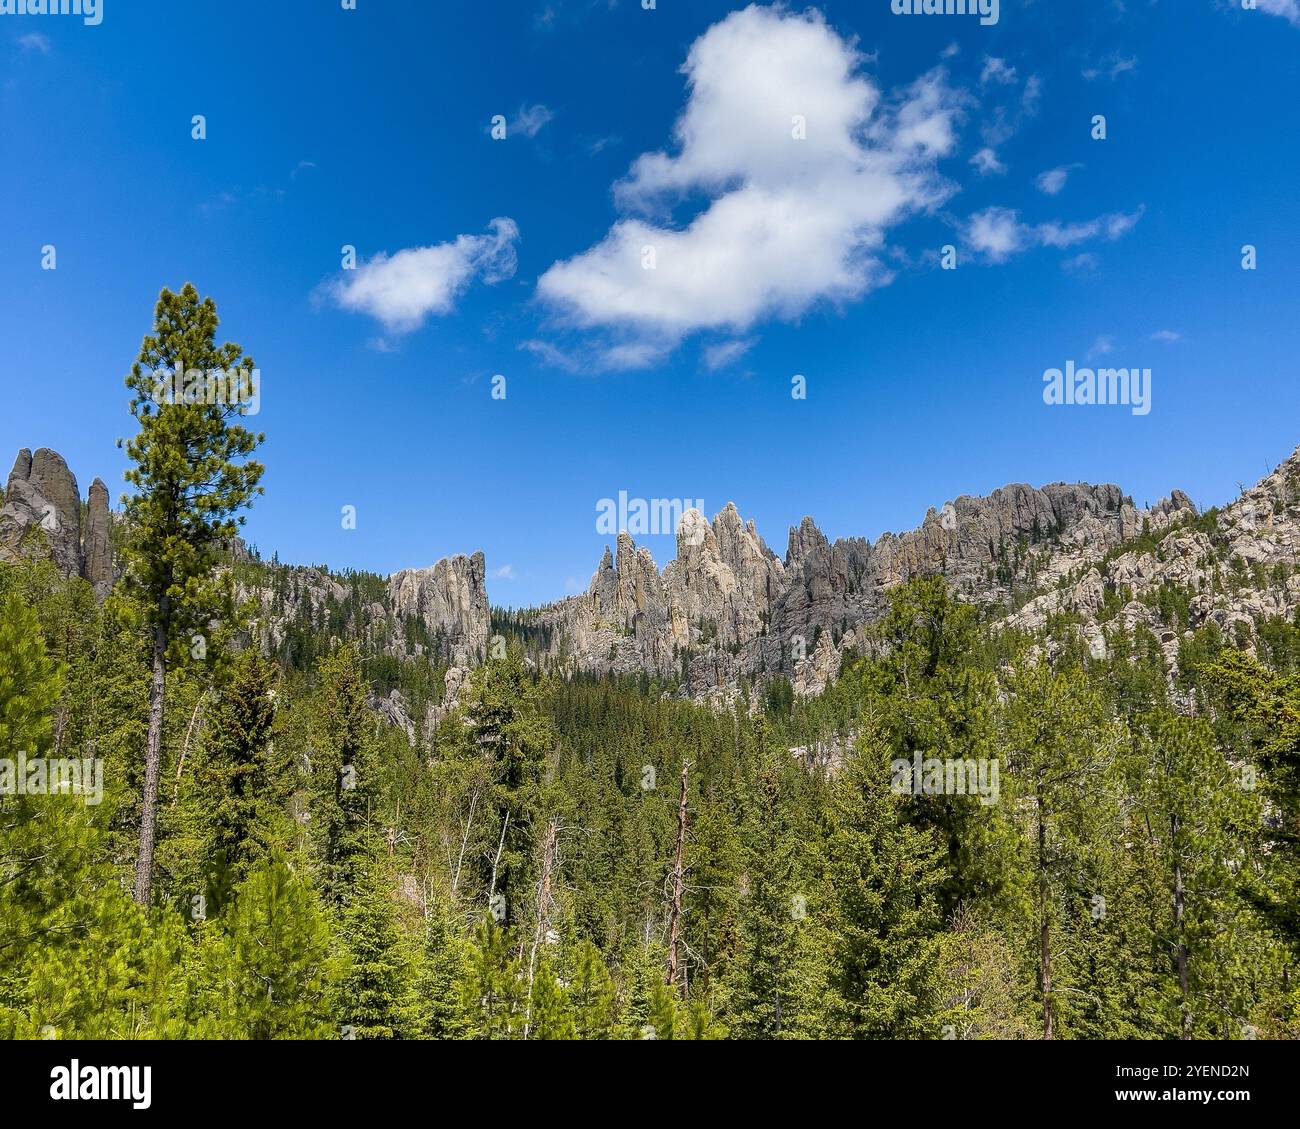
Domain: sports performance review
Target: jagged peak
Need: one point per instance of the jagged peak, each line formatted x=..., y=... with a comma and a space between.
x=476, y=562
x=803, y=539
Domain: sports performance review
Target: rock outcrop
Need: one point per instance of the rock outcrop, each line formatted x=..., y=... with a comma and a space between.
x=728, y=608
x=42, y=516
x=1236, y=569
x=97, y=553
x=450, y=600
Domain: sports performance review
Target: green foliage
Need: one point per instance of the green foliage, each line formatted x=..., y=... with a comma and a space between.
x=373, y=1000
x=1135, y=877
x=442, y=1009
x=496, y=990
x=265, y=969
x=882, y=899
x=344, y=776
x=191, y=474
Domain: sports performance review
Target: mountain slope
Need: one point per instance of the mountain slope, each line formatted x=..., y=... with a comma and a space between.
x=727, y=609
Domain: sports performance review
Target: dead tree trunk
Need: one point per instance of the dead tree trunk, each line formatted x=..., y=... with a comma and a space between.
x=1180, y=928
x=677, y=967
x=543, y=916
x=1044, y=925
x=153, y=755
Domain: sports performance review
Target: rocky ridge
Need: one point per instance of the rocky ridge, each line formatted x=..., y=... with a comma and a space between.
x=42, y=516
x=1236, y=568
x=728, y=609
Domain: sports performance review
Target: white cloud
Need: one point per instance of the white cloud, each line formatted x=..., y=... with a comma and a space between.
x=1053, y=180
x=530, y=120
x=404, y=289
x=506, y=572
x=986, y=163
x=1168, y=336
x=1287, y=9
x=1001, y=123
x=634, y=354
x=725, y=353
x=788, y=222
x=997, y=70
x=1112, y=67
x=997, y=233
x=551, y=355
x=1032, y=93
x=1082, y=263
x=35, y=41
x=1103, y=346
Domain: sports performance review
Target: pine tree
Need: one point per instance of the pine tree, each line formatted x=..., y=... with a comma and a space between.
x=124, y=977
x=1199, y=818
x=442, y=982
x=1265, y=711
x=662, y=1015
x=343, y=773
x=1063, y=755
x=30, y=685
x=267, y=964
x=592, y=996
x=883, y=879
x=191, y=477
x=373, y=999
x=38, y=849
x=233, y=777
x=772, y=992
x=496, y=991
x=929, y=695
x=551, y=1013
x=509, y=731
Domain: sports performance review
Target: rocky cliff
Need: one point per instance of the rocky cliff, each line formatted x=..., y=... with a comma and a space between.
x=1235, y=568
x=450, y=600
x=729, y=609
x=42, y=514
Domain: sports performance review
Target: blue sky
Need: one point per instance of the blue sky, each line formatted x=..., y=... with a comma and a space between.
x=775, y=256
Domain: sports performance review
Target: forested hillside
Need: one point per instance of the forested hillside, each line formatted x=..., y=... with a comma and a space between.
x=594, y=858
x=244, y=801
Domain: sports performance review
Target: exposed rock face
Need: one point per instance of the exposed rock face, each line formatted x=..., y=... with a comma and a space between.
x=43, y=508
x=728, y=608
x=42, y=516
x=97, y=563
x=1241, y=570
x=450, y=599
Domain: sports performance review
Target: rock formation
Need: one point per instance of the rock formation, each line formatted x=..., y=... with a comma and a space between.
x=97, y=553
x=728, y=610
x=450, y=600
x=42, y=516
